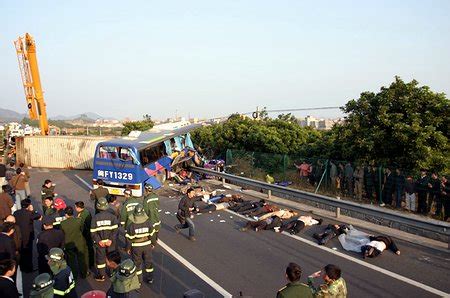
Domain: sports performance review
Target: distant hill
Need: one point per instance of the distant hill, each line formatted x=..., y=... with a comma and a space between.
x=10, y=116
x=87, y=115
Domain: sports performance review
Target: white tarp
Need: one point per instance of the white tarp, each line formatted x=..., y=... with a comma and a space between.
x=353, y=240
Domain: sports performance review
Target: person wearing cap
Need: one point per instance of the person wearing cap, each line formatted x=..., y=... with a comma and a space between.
x=140, y=239
x=47, y=190
x=99, y=192
x=42, y=286
x=151, y=207
x=64, y=283
x=86, y=219
x=75, y=244
x=104, y=229
x=25, y=218
x=46, y=240
x=60, y=214
x=125, y=281
x=128, y=206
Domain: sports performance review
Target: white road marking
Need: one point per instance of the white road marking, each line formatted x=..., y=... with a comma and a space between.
x=358, y=261
x=182, y=260
x=195, y=270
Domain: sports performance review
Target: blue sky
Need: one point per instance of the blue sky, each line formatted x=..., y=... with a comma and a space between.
x=212, y=58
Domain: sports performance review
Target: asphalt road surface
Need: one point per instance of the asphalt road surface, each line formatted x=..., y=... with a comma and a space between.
x=253, y=263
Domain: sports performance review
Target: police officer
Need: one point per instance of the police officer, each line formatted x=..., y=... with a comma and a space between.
x=75, y=246
x=47, y=239
x=124, y=281
x=64, y=283
x=151, y=207
x=104, y=228
x=99, y=192
x=42, y=286
x=128, y=206
x=140, y=237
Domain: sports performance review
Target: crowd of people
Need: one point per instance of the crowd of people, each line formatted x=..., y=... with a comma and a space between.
x=427, y=194
x=72, y=241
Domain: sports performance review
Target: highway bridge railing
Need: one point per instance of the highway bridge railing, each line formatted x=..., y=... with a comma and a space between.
x=429, y=228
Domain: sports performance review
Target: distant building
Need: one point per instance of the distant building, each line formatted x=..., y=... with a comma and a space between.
x=319, y=124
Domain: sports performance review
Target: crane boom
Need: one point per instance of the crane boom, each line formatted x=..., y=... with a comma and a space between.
x=29, y=71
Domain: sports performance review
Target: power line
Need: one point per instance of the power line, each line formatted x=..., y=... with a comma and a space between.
x=294, y=110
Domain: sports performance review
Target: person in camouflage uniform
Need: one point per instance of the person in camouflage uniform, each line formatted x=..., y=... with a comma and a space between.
x=334, y=285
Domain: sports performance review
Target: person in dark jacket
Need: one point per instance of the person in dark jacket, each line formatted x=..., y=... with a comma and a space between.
x=377, y=245
x=434, y=196
x=369, y=182
x=46, y=240
x=422, y=190
x=445, y=195
x=99, y=192
x=331, y=231
x=185, y=206
x=399, y=188
x=104, y=229
x=16, y=236
x=64, y=283
x=7, y=245
x=266, y=224
x=25, y=218
x=8, y=287
x=75, y=245
x=294, y=288
x=388, y=187
x=248, y=206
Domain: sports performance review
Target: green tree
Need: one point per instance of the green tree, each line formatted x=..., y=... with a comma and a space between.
x=141, y=125
x=404, y=124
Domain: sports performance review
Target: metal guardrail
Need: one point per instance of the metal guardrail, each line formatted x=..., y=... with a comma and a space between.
x=431, y=225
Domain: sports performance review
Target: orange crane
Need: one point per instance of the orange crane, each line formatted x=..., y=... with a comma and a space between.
x=29, y=71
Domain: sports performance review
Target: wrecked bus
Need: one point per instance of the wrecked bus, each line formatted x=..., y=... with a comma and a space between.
x=139, y=158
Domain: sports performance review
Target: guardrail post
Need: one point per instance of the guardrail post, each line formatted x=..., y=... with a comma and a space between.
x=269, y=195
x=338, y=209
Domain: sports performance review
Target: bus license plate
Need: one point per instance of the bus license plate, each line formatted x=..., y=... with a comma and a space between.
x=115, y=191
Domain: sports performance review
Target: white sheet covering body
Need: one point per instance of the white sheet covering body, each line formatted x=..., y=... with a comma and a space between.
x=354, y=240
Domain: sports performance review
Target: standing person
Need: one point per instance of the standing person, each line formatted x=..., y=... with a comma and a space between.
x=399, y=187
x=445, y=195
x=104, y=228
x=99, y=192
x=304, y=170
x=369, y=182
x=185, y=206
x=140, y=239
x=334, y=286
x=7, y=245
x=422, y=189
x=59, y=215
x=25, y=218
x=42, y=286
x=2, y=174
x=358, y=175
x=410, y=193
x=151, y=207
x=8, y=287
x=333, y=174
x=85, y=216
x=18, y=184
x=388, y=188
x=348, y=179
x=75, y=244
x=16, y=236
x=27, y=174
x=128, y=206
x=6, y=203
x=124, y=281
x=434, y=186
x=294, y=288
x=46, y=240
x=64, y=285
x=47, y=190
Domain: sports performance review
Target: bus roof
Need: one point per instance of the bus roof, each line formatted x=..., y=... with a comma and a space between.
x=150, y=137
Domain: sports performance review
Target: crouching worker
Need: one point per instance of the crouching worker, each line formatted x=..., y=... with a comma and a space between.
x=124, y=281
x=294, y=288
x=334, y=285
x=64, y=283
x=377, y=245
x=331, y=231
